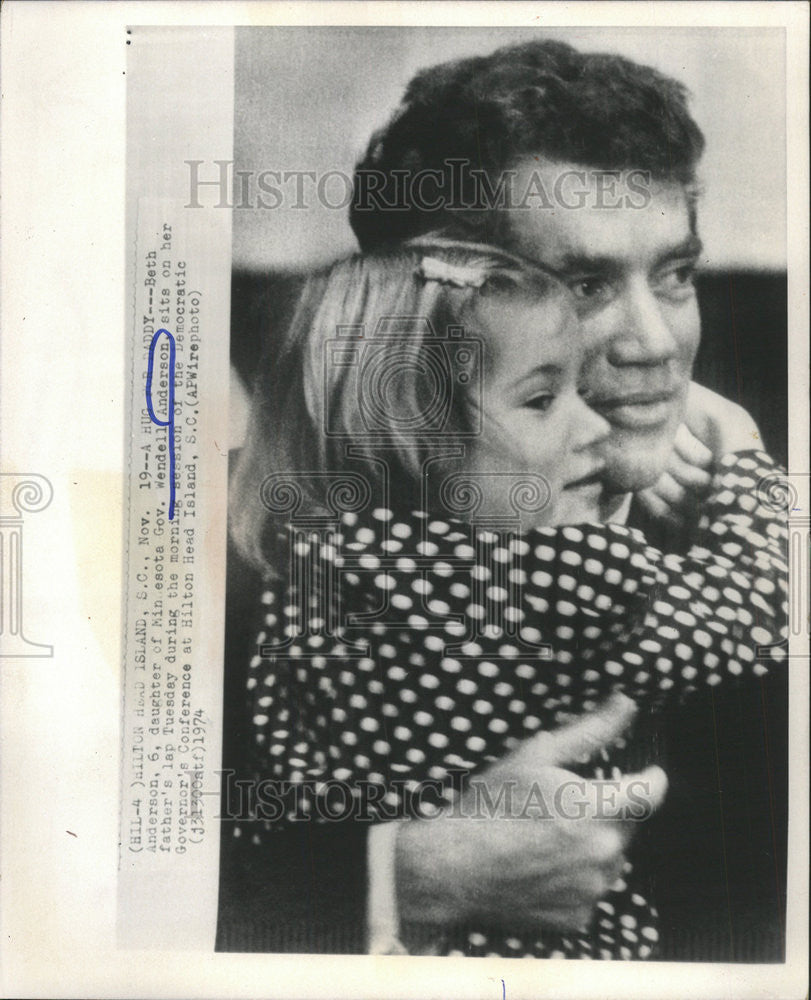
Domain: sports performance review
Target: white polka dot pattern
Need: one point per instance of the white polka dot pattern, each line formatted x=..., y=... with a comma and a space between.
x=398, y=668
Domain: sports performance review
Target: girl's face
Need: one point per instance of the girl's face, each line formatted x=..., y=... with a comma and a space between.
x=533, y=418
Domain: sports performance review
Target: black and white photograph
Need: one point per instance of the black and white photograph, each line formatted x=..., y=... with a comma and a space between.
x=502, y=544
x=437, y=527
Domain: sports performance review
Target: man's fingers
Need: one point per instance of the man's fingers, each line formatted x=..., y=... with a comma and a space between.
x=578, y=741
x=640, y=795
x=571, y=919
x=575, y=741
x=678, y=492
x=719, y=423
x=632, y=798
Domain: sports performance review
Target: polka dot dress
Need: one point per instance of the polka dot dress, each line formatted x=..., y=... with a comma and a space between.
x=405, y=653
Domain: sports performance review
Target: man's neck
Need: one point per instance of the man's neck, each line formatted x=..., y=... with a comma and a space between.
x=615, y=507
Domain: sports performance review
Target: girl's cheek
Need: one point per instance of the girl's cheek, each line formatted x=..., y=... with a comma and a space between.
x=558, y=433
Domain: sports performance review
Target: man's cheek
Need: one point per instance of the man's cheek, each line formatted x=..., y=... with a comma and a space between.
x=680, y=401
x=686, y=325
x=635, y=460
x=595, y=335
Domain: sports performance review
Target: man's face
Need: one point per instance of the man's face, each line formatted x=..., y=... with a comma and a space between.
x=630, y=269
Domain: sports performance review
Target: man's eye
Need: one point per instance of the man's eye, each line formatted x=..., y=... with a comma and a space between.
x=590, y=288
x=540, y=403
x=500, y=283
x=677, y=279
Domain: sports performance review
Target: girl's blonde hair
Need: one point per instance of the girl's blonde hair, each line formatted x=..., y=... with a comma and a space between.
x=348, y=390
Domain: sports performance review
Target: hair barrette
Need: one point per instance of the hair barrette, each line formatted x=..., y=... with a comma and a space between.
x=460, y=276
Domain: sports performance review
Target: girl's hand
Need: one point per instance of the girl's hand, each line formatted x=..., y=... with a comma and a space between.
x=722, y=426
x=713, y=426
x=677, y=495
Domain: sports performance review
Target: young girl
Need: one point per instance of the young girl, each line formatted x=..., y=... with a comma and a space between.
x=413, y=450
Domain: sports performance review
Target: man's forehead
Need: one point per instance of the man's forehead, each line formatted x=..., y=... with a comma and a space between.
x=568, y=212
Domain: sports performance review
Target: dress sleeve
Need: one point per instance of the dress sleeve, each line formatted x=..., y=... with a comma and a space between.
x=676, y=621
x=598, y=596
x=720, y=610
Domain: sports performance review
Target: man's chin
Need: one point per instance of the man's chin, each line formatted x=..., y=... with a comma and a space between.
x=634, y=462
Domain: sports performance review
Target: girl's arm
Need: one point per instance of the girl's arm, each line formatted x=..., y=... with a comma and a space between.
x=396, y=599
x=720, y=610
x=594, y=593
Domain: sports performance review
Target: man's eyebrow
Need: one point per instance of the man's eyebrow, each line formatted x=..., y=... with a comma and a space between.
x=579, y=263
x=576, y=263
x=691, y=247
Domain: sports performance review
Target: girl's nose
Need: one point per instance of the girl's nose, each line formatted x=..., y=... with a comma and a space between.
x=589, y=427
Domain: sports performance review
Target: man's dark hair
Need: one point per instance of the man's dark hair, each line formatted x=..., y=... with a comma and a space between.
x=539, y=98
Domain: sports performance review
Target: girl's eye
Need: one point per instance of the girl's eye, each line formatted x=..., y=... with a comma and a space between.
x=541, y=403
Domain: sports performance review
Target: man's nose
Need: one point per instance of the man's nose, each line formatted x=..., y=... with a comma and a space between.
x=642, y=335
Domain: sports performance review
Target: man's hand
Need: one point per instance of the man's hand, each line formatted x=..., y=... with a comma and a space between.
x=548, y=867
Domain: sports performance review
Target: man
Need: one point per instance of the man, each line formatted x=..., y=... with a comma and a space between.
x=586, y=165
